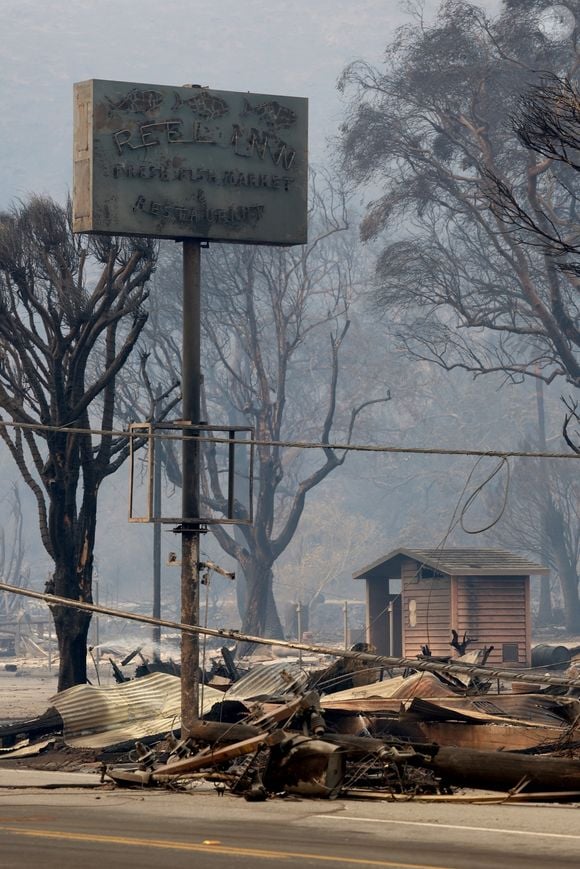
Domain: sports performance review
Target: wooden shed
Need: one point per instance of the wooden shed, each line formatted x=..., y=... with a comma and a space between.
x=416, y=597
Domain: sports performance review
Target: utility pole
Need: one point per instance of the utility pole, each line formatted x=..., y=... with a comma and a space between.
x=299, y=628
x=190, y=529
x=545, y=605
x=156, y=632
x=109, y=126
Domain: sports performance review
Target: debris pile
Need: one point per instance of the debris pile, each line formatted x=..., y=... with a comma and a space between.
x=350, y=729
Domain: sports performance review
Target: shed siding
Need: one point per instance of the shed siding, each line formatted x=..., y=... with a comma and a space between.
x=494, y=611
x=432, y=605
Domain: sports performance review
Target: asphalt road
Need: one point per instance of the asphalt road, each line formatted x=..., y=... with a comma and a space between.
x=104, y=829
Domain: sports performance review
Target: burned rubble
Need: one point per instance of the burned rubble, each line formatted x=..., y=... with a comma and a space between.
x=350, y=729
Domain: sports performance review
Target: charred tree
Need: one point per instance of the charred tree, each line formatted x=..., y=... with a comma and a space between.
x=71, y=311
x=469, y=285
x=275, y=324
x=571, y=418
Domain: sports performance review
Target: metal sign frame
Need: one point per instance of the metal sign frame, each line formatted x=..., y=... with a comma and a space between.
x=190, y=162
x=230, y=435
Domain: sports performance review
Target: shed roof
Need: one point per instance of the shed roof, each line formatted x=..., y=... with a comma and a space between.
x=453, y=562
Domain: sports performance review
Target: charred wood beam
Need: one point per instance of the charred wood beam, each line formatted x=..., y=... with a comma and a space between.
x=503, y=770
x=208, y=758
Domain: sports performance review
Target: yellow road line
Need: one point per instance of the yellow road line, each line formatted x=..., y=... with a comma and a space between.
x=61, y=835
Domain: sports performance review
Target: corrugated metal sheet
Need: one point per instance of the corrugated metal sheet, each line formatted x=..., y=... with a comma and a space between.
x=420, y=684
x=269, y=680
x=97, y=717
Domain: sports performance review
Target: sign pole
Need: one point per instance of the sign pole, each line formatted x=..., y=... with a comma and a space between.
x=156, y=633
x=192, y=164
x=190, y=533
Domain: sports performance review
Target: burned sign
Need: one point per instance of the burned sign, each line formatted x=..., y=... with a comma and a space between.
x=189, y=162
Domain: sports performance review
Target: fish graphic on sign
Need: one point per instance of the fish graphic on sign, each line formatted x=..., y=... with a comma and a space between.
x=272, y=113
x=202, y=104
x=137, y=101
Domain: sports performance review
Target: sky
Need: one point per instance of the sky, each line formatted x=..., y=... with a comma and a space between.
x=276, y=47
x=264, y=46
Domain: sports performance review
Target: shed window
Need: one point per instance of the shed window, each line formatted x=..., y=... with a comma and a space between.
x=510, y=653
x=395, y=584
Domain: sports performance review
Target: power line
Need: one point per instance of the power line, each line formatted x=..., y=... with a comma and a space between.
x=302, y=445
x=421, y=664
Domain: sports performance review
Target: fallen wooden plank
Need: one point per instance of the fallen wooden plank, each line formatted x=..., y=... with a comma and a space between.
x=276, y=713
x=210, y=758
x=219, y=731
x=137, y=778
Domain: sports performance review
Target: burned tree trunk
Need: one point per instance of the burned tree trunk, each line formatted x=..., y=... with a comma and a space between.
x=564, y=559
x=72, y=578
x=72, y=628
x=261, y=615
